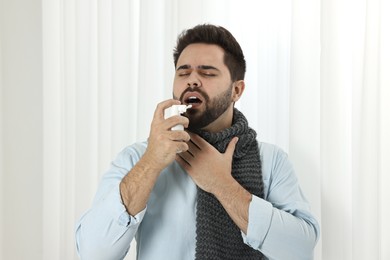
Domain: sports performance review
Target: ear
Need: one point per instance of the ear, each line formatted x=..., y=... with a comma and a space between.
x=237, y=90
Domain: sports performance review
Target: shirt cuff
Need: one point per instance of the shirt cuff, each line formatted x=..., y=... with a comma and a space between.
x=119, y=211
x=259, y=222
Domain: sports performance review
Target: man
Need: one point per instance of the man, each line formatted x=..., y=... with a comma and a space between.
x=210, y=192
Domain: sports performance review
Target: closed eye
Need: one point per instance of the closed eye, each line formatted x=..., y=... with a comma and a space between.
x=182, y=73
x=208, y=74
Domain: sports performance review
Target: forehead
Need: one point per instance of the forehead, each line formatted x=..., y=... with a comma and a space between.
x=197, y=54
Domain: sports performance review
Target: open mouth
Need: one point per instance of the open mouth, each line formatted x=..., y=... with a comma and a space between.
x=192, y=100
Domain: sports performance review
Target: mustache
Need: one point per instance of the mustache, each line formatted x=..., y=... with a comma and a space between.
x=191, y=89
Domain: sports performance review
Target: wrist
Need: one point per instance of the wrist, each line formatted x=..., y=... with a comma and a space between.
x=150, y=164
x=232, y=190
x=228, y=187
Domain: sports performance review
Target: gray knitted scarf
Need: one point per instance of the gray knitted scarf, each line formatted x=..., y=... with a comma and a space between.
x=217, y=236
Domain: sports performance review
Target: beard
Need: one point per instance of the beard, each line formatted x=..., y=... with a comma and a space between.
x=214, y=108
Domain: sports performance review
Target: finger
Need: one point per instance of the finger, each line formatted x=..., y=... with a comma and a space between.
x=193, y=148
x=179, y=136
x=198, y=141
x=186, y=156
x=231, y=147
x=189, y=154
x=159, y=112
x=176, y=120
x=181, y=147
x=182, y=162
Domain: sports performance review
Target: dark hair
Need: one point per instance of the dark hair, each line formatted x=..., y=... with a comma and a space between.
x=211, y=34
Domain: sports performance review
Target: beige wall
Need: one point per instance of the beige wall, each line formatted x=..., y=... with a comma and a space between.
x=21, y=129
x=1, y=135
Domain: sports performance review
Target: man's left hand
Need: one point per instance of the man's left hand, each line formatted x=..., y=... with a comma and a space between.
x=208, y=168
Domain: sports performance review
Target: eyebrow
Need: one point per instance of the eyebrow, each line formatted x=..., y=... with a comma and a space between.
x=201, y=67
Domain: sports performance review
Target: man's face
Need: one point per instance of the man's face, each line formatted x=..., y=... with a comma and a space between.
x=203, y=81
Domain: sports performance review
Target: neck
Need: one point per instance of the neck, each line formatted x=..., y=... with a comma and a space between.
x=222, y=122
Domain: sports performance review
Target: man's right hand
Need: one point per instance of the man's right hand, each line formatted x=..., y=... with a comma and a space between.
x=164, y=143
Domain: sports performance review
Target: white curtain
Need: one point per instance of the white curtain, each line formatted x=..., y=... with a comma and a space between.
x=318, y=85
x=355, y=121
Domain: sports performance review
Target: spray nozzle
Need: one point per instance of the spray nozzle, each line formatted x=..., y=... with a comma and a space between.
x=176, y=110
x=182, y=108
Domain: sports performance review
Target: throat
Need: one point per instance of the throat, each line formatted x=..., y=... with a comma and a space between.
x=224, y=121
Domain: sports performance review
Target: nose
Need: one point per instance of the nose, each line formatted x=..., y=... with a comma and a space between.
x=193, y=84
x=193, y=81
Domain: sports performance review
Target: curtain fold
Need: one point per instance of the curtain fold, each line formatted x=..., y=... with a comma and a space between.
x=305, y=106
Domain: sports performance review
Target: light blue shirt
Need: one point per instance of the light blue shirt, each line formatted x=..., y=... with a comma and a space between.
x=281, y=226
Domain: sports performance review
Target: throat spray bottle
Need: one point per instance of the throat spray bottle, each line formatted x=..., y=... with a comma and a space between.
x=176, y=110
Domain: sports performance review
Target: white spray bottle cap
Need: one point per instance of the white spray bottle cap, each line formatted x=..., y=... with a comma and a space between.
x=174, y=111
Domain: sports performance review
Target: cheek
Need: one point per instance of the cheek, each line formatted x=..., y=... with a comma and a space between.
x=177, y=90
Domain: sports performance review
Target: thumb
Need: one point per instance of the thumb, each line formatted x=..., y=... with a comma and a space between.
x=231, y=147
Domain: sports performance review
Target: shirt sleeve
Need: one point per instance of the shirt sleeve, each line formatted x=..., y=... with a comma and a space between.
x=106, y=230
x=281, y=226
